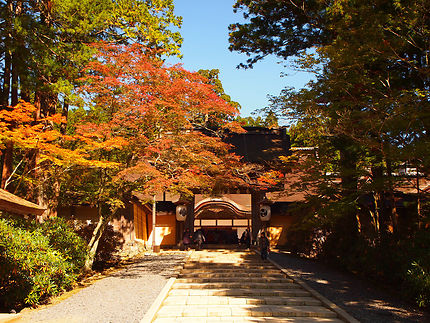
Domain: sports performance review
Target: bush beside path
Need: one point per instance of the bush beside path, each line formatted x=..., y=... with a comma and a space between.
x=123, y=296
x=127, y=294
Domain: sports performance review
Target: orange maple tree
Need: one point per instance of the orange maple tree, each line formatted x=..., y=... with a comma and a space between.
x=44, y=149
x=162, y=114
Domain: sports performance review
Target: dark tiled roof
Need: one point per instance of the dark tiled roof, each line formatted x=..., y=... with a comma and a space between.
x=259, y=144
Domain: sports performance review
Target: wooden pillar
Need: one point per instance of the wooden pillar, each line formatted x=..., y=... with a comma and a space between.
x=155, y=248
x=256, y=198
x=189, y=221
x=179, y=231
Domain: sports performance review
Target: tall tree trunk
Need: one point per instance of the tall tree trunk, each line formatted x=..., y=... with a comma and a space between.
x=11, y=75
x=15, y=81
x=97, y=234
x=45, y=104
x=7, y=29
x=94, y=242
x=6, y=79
x=391, y=197
x=378, y=183
x=154, y=223
x=6, y=154
x=349, y=177
x=7, y=163
x=376, y=214
x=8, y=151
x=65, y=113
x=420, y=219
x=347, y=165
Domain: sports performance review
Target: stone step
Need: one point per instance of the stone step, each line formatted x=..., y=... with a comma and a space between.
x=249, y=320
x=243, y=280
x=172, y=311
x=235, y=285
x=211, y=261
x=230, y=300
x=228, y=266
x=238, y=287
x=236, y=275
x=240, y=292
x=234, y=271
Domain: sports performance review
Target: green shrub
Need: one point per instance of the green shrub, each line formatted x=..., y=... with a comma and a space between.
x=417, y=284
x=417, y=277
x=30, y=270
x=63, y=239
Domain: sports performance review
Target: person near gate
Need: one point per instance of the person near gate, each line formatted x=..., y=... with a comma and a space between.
x=186, y=239
x=246, y=238
x=199, y=238
x=264, y=246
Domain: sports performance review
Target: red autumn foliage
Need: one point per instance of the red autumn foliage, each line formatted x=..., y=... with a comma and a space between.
x=161, y=112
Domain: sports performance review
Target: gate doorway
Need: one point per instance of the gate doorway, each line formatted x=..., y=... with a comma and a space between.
x=223, y=220
x=222, y=231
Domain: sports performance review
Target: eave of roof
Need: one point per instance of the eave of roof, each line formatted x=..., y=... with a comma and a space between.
x=14, y=204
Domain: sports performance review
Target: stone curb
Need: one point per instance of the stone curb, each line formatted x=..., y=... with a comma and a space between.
x=5, y=317
x=342, y=314
x=150, y=314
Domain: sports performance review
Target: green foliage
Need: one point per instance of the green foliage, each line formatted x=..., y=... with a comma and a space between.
x=367, y=111
x=250, y=121
x=283, y=28
x=417, y=284
x=403, y=263
x=388, y=259
x=417, y=278
x=268, y=120
x=64, y=240
x=30, y=270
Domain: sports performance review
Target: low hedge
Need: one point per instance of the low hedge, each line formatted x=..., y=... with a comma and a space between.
x=65, y=240
x=37, y=262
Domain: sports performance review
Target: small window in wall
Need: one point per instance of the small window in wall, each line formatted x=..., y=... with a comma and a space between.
x=240, y=222
x=208, y=222
x=227, y=223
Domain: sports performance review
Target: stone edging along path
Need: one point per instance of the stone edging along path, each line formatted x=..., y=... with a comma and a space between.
x=150, y=314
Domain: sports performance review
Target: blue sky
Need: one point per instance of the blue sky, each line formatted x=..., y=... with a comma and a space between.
x=205, y=46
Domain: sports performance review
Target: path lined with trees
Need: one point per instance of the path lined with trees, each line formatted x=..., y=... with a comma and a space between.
x=367, y=114
x=89, y=112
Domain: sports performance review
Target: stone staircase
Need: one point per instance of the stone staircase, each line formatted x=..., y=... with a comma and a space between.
x=237, y=286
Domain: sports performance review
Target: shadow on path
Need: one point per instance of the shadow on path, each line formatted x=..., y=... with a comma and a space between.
x=361, y=299
x=156, y=264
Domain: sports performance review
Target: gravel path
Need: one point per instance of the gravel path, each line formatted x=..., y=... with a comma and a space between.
x=360, y=299
x=124, y=296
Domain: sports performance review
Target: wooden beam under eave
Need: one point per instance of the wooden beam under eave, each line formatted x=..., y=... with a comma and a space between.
x=14, y=204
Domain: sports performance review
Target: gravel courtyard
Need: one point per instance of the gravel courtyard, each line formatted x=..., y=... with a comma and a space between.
x=124, y=296
x=127, y=294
